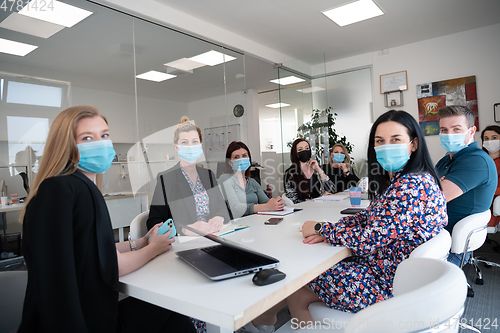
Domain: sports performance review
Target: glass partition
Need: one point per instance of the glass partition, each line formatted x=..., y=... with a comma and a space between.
x=97, y=63
x=303, y=95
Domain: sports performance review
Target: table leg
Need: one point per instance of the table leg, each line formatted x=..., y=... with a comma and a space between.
x=216, y=329
x=120, y=234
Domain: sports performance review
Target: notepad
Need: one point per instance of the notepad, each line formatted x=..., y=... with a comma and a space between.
x=334, y=197
x=231, y=228
x=285, y=211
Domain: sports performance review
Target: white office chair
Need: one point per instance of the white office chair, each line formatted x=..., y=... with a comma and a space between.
x=437, y=247
x=288, y=202
x=138, y=226
x=12, y=291
x=428, y=293
x=493, y=230
x=468, y=235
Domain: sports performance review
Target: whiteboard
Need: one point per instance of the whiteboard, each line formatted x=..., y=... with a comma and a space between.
x=216, y=140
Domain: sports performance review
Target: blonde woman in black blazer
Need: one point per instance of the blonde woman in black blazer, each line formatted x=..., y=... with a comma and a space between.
x=179, y=195
x=68, y=244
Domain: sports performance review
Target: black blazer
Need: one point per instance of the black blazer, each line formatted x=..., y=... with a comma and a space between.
x=341, y=181
x=69, y=248
x=174, y=199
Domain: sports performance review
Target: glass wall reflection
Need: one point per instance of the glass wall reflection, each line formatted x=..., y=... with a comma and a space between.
x=105, y=65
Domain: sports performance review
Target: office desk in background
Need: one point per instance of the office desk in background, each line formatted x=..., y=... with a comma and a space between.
x=169, y=282
x=4, y=209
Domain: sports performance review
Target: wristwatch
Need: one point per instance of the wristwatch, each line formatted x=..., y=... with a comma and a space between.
x=317, y=228
x=133, y=247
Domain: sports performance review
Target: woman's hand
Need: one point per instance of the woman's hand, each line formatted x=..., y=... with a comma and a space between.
x=203, y=227
x=308, y=228
x=314, y=239
x=160, y=243
x=216, y=223
x=314, y=165
x=275, y=204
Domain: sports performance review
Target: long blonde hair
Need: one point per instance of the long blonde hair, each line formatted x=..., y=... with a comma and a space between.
x=347, y=160
x=186, y=126
x=61, y=155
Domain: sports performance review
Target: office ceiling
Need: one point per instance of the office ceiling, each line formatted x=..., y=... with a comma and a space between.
x=97, y=52
x=297, y=28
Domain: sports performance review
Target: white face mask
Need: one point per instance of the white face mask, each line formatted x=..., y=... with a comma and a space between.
x=492, y=146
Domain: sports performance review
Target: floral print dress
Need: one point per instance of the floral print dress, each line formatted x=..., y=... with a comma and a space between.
x=411, y=211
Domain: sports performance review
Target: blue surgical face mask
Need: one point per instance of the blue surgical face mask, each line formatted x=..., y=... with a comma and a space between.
x=338, y=158
x=392, y=157
x=96, y=156
x=453, y=143
x=190, y=153
x=241, y=165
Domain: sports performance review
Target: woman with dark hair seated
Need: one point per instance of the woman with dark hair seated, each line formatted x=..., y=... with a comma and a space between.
x=407, y=209
x=491, y=144
x=243, y=194
x=305, y=179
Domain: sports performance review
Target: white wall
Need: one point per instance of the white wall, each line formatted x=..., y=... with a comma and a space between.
x=473, y=52
x=154, y=114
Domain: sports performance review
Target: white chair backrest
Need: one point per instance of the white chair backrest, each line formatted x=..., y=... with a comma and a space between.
x=437, y=247
x=12, y=291
x=496, y=206
x=475, y=224
x=288, y=202
x=138, y=226
x=426, y=292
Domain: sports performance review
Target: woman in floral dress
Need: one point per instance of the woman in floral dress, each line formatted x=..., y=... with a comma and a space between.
x=407, y=209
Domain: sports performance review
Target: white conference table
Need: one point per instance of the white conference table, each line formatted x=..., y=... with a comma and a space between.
x=169, y=282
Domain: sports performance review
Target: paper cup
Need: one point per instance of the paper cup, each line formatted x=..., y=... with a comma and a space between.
x=3, y=200
x=355, y=196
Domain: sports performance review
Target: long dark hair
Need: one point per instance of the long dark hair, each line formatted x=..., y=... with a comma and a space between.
x=235, y=145
x=302, y=185
x=420, y=160
x=494, y=128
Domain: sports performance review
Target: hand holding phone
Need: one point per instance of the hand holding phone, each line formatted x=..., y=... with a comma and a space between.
x=273, y=221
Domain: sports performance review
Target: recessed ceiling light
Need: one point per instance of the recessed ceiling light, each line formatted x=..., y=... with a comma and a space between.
x=277, y=105
x=155, y=76
x=185, y=64
x=30, y=26
x=287, y=80
x=55, y=12
x=310, y=90
x=15, y=48
x=353, y=12
x=212, y=58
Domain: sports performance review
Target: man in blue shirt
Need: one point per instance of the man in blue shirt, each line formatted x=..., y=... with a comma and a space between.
x=468, y=174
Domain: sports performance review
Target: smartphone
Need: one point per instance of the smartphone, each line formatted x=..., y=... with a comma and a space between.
x=273, y=221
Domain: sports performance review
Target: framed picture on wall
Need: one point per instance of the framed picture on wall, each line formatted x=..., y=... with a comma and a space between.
x=397, y=81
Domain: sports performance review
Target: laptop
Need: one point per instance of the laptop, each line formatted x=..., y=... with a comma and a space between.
x=225, y=260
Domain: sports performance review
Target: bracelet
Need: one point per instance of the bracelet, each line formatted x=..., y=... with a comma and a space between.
x=320, y=173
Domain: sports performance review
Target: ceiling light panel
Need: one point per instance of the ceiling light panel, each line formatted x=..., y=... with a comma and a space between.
x=212, y=58
x=55, y=12
x=353, y=12
x=30, y=26
x=287, y=80
x=155, y=76
x=15, y=48
x=277, y=105
x=310, y=90
x=185, y=64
